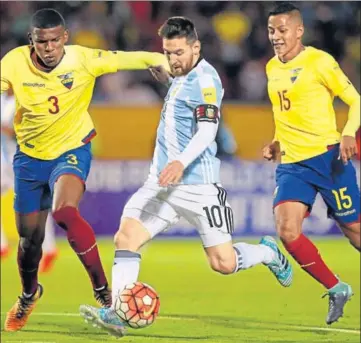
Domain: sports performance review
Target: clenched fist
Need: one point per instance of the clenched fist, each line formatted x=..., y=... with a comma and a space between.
x=271, y=151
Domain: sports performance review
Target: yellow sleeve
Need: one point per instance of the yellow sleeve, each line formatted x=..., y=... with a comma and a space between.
x=331, y=75
x=6, y=72
x=337, y=82
x=100, y=62
x=351, y=97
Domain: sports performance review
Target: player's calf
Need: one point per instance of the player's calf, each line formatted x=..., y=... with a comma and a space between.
x=352, y=232
x=222, y=266
x=82, y=239
x=289, y=217
x=288, y=230
x=29, y=256
x=128, y=240
x=31, y=231
x=228, y=258
x=222, y=258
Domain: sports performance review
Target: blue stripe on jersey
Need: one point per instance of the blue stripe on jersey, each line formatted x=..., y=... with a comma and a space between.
x=177, y=125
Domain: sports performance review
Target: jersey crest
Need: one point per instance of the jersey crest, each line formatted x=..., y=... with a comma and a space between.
x=67, y=79
x=295, y=73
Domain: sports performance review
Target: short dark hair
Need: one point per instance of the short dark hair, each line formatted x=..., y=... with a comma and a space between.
x=178, y=27
x=283, y=7
x=47, y=18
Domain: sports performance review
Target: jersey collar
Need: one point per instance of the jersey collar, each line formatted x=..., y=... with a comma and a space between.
x=296, y=59
x=200, y=59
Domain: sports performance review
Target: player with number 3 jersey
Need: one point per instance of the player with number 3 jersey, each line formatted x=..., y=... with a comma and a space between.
x=315, y=157
x=53, y=86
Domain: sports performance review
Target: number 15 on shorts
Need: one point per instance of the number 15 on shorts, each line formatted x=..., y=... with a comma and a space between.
x=220, y=217
x=343, y=200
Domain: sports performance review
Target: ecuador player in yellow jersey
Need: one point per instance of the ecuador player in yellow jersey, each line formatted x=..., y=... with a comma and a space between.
x=53, y=86
x=302, y=83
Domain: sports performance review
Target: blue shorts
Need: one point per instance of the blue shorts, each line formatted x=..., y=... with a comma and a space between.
x=326, y=174
x=35, y=178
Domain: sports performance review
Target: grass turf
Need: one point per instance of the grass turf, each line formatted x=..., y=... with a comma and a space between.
x=196, y=304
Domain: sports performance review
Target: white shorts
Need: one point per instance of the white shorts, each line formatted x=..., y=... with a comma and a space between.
x=204, y=206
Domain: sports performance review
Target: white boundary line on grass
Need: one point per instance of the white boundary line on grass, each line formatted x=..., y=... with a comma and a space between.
x=315, y=328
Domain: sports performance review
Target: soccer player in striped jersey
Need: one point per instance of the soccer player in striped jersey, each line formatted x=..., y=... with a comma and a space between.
x=184, y=178
x=315, y=157
x=53, y=85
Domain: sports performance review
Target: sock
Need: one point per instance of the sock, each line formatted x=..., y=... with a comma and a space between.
x=82, y=239
x=49, y=239
x=308, y=257
x=4, y=241
x=249, y=255
x=125, y=270
x=29, y=256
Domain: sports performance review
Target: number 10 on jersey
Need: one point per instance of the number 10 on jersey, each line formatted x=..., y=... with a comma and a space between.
x=218, y=216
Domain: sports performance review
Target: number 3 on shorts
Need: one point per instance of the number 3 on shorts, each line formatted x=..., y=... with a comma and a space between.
x=217, y=215
x=71, y=159
x=343, y=201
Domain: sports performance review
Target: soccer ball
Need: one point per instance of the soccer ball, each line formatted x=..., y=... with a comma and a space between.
x=137, y=305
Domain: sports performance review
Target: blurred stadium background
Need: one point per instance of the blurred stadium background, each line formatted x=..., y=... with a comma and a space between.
x=250, y=307
x=126, y=105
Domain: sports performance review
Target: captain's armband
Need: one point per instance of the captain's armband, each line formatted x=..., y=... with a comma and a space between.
x=207, y=113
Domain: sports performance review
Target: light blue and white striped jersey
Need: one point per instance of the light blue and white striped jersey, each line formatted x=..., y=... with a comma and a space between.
x=177, y=126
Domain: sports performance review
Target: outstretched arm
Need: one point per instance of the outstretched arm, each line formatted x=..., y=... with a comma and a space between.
x=99, y=62
x=132, y=60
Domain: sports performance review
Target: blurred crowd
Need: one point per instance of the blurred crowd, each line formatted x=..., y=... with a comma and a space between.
x=233, y=35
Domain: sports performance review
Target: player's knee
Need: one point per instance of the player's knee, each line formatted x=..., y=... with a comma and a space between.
x=30, y=244
x=288, y=229
x=64, y=215
x=59, y=207
x=131, y=235
x=30, y=234
x=222, y=266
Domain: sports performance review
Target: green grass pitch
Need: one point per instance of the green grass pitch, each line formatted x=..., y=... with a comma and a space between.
x=197, y=305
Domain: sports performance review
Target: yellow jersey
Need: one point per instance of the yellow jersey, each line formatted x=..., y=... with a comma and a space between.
x=52, y=107
x=302, y=93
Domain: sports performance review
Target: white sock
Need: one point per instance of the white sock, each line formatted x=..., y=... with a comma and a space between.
x=49, y=244
x=125, y=270
x=249, y=255
x=4, y=241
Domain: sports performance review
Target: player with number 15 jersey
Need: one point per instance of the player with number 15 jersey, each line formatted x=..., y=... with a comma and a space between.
x=302, y=84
